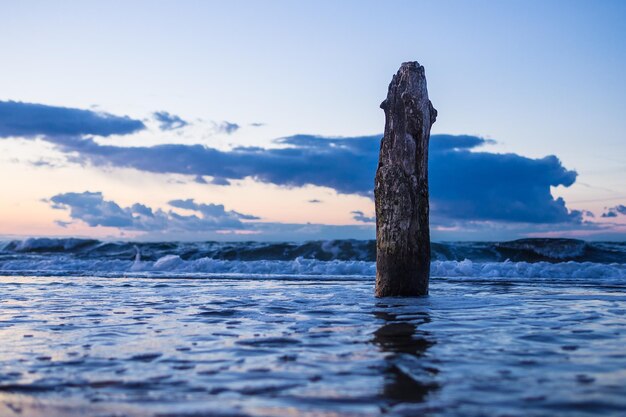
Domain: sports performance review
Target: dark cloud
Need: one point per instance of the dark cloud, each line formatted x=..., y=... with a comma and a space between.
x=142, y=210
x=200, y=179
x=346, y=165
x=169, y=121
x=30, y=120
x=615, y=211
x=94, y=210
x=465, y=184
x=213, y=221
x=314, y=201
x=506, y=187
x=444, y=143
x=361, y=217
x=227, y=127
x=210, y=221
x=210, y=210
x=587, y=213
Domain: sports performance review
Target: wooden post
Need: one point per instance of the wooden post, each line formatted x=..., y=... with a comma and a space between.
x=401, y=188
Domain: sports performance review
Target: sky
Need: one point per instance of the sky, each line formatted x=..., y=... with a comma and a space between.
x=246, y=120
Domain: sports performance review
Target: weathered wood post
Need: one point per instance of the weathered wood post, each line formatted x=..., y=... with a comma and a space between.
x=401, y=188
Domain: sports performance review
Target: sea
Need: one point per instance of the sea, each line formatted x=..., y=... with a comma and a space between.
x=532, y=327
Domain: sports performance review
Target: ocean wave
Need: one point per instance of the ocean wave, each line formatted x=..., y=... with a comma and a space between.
x=175, y=266
x=523, y=250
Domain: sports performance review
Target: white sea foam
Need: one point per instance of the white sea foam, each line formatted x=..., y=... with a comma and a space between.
x=34, y=244
x=537, y=270
x=176, y=266
x=524, y=250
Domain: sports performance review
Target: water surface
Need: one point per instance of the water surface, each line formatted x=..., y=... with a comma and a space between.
x=278, y=346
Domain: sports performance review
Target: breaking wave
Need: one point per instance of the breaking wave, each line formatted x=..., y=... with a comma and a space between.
x=523, y=250
x=536, y=259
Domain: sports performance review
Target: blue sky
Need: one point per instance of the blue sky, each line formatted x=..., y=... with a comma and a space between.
x=263, y=117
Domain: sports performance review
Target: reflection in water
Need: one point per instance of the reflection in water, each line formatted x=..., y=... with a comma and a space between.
x=406, y=380
x=138, y=347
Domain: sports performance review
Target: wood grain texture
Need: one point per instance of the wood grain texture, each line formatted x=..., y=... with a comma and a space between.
x=401, y=187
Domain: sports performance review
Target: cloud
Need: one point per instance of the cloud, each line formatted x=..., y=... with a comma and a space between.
x=213, y=180
x=169, y=121
x=615, y=211
x=219, y=181
x=314, y=201
x=503, y=187
x=62, y=224
x=361, y=217
x=141, y=210
x=210, y=210
x=208, y=221
x=201, y=221
x=465, y=184
x=30, y=120
x=347, y=165
x=200, y=180
x=587, y=213
x=92, y=209
x=445, y=143
x=226, y=127
x=42, y=163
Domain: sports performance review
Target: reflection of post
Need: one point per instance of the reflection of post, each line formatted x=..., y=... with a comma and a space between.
x=401, y=187
x=399, y=337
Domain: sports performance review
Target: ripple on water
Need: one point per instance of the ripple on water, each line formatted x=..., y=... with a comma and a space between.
x=142, y=347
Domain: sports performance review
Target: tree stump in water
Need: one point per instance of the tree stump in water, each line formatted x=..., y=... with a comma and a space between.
x=401, y=187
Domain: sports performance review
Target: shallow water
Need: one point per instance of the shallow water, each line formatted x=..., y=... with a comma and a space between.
x=267, y=347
